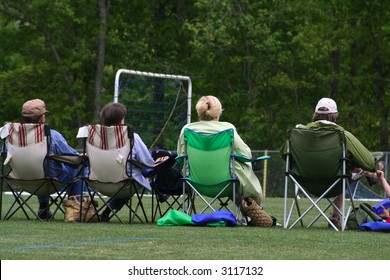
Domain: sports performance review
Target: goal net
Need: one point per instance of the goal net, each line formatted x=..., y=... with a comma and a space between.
x=158, y=105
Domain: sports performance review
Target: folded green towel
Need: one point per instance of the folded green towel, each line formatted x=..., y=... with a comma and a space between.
x=175, y=218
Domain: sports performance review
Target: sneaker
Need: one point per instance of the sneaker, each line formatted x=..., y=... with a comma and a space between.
x=335, y=219
x=244, y=221
x=45, y=214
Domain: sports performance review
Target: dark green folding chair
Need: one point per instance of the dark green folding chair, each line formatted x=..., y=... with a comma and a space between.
x=316, y=170
x=208, y=170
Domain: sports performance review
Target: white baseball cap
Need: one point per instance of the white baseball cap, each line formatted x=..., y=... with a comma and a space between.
x=328, y=103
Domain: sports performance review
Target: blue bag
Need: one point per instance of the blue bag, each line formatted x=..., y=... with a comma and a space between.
x=217, y=218
x=375, y=226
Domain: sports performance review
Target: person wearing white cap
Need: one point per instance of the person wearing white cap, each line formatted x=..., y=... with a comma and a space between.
x=34, y=111
x=325, y=116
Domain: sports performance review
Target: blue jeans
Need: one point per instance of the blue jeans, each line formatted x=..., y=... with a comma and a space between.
x=67, y=175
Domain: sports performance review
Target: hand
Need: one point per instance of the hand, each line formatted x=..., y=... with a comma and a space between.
x=380, y=174
x=369, y=174
x=385, y=214
x=161, y=159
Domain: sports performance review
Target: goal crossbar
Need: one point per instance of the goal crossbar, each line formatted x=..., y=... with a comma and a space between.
x=163, y=76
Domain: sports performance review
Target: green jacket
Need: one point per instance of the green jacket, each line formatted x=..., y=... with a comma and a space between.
x=356, y=152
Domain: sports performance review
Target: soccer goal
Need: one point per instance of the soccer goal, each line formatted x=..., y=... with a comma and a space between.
x=158, y=105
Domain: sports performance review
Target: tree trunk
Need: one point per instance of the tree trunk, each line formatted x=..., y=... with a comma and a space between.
x=334, y=84
x=103, y=5
x=381, y=104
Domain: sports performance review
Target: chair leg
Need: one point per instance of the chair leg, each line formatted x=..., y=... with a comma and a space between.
x=1, y=192
x=20, y=203
x=139, y=205
x=298, y=209
x=190, y=195
x=113, y=212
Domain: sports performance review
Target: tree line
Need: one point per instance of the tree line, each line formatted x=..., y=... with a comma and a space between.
x=269, y=62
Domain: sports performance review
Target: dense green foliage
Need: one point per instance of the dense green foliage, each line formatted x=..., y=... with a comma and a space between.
x=268, y=61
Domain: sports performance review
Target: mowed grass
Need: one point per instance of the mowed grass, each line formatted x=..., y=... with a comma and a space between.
x=23, y=239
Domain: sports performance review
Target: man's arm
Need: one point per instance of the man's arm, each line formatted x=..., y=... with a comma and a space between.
x=359, y=155
x=59, y=145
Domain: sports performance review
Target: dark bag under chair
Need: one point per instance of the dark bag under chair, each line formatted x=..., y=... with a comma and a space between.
x=167, y=173
x=360, y=215
x=167, y=185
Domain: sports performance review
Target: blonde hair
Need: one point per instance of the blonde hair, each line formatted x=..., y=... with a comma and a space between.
x=208, y=108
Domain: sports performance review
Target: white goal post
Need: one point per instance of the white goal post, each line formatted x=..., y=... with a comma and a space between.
x=163, y=76
x=158, y=104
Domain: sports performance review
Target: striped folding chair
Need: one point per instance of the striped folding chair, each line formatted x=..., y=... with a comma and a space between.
x=109, y=151
x=25, y=168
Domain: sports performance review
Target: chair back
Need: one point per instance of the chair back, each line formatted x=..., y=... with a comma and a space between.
x=27, y=147
x=108, y=148
x=210, y=161
x=316, y=158
x=27, y=153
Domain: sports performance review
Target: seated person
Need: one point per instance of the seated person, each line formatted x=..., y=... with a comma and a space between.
x=34, y=111
x=209, y=111
x=325, y=116
x=114, y=114
x=386, y=187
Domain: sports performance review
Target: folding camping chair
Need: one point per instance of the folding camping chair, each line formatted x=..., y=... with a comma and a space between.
x=208, y=170
x=108, y=149
x=27, y=170
x=316, y=169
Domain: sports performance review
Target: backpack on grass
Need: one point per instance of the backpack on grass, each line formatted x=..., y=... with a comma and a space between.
x=363, y=214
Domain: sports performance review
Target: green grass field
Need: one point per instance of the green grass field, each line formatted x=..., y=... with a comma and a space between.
x=23, y=239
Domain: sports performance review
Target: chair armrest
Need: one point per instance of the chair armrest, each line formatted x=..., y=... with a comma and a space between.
x=255, y=161
x=71, y=160
x=145, y=166
x=245, y=159
x=140, y=164
x=180, y=160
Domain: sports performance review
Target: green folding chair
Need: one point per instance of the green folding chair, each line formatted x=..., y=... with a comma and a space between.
x=208, y=170
x=316, y=170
